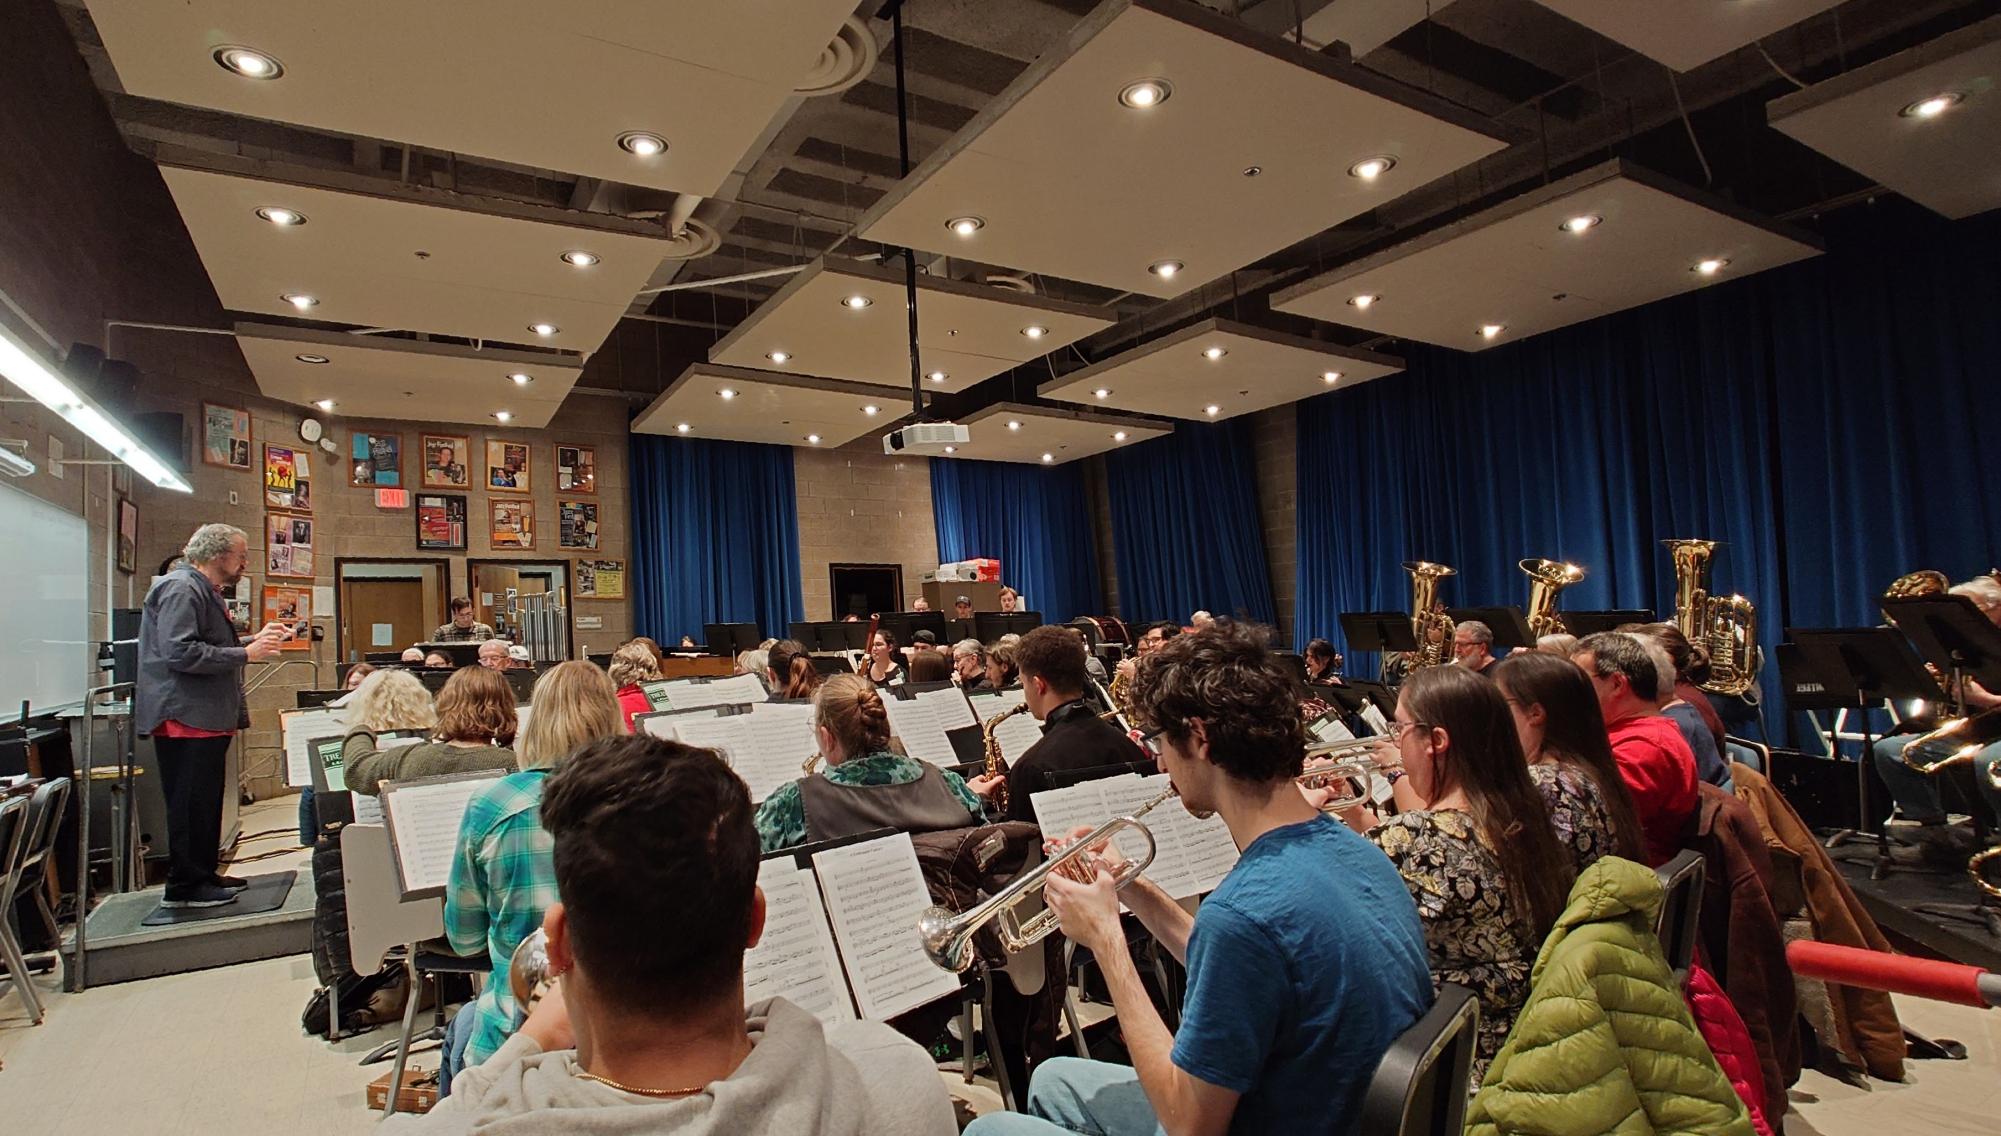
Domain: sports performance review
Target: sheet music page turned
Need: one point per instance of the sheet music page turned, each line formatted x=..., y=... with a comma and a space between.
x=424, y=818
x=916, y=724
x=875, y=892
x=796, y=959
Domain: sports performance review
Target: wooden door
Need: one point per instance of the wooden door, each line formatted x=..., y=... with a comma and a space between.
x=383, y=615
x=492, y=582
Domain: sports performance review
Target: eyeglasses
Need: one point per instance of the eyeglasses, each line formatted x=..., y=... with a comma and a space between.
x=1152, y=743
x=1399, y=729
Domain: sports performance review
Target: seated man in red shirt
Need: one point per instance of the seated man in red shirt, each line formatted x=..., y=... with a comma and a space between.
x=1654, y=760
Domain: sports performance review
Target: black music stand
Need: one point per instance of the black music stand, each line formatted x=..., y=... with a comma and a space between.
x=1952, y=634
x=991, y=625
x=1378, y=631
x=1853, y=668
x=1582, y=623
x=1509, y=628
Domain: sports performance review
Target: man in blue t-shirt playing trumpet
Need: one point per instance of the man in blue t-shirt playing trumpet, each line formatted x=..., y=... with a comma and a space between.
x=1303, y=965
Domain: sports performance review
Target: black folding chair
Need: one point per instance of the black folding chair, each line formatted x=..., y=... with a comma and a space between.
x=1681, y=909
x=1420, y=1085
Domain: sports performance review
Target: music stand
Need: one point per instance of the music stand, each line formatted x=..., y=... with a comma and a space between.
x=1378, y=631
x=1952, y=634
x=1582, y=623
x=1509, y=628
x=1854, y=668
x=991, y=625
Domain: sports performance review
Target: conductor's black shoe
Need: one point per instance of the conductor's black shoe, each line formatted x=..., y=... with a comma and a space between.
x=231, y=883
x=200, y=895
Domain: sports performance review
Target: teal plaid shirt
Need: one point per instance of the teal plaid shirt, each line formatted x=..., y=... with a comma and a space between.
x=781, y=819
x=503, y=879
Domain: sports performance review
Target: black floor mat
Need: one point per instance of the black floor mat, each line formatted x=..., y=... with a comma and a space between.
x=265, y=893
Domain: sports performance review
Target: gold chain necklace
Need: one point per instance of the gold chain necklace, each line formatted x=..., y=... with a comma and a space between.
x=635, y=1090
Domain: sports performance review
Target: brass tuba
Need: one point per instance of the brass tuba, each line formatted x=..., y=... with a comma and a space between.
x=1916, y=585
x=1427, y=615
x=1546, y=578
x=1725, y=626
x=996, y=765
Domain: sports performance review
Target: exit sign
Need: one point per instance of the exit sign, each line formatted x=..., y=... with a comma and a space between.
x=392, y=498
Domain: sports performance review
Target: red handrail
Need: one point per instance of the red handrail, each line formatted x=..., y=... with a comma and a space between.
x=1898, y=974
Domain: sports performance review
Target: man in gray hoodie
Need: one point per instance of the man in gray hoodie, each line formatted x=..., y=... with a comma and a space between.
x=646, y=1031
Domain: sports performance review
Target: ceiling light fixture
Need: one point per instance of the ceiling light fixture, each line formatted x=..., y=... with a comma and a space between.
x=1934, y=106
x=578, y=258
x=1165, y=269
x=1047, y=458
x=316, y=360
x=857, y=302
x=1013, y=425
x=1145, y=94
x=1490, y=330
x=966, y=226
x=1369, y=169
x=502, y=415
x=682, y=427
x=777, y=356
x=1118, y=435
x=1330, y=377
x=1212, y=410
x=1363, y=301
x=43, y=381
x=1711, y=266
x=278, y=215
x=726, y=394
x=325, y=404
x=871, y=410
x=1581, y=222
x=642, y=143
x=545, y=330
x=937, y=376
x=299, y=300
x=813, y=439
x=521, y=378
x=247, y=62
x=1102, y=393
x=1035, y=331
x=1213, y=353
x=951, y=449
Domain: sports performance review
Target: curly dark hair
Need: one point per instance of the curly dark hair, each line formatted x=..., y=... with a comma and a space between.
x=1227, y=677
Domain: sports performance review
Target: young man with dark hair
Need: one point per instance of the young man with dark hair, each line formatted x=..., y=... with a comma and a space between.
x=646, y=1030
x=462, y=628
x=1051, y=662
x=1303, y=965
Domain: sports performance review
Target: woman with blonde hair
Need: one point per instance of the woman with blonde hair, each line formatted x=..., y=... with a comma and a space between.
x=474, y=732
x=503, y=874
x=631, y=665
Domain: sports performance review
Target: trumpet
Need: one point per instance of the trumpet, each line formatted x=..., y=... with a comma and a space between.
x=1343, y=763
x=948, y=935
x=528, y=975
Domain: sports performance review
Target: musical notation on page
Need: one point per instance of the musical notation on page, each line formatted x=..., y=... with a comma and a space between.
x=298, y=728
x=796, y=959
x=916, y=723
x=875, y=892
x=423, y=820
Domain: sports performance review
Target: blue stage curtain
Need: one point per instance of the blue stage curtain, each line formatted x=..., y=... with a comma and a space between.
x=1035, y=520
x=715, y=537
x=1823, y=420
x=1186, y=532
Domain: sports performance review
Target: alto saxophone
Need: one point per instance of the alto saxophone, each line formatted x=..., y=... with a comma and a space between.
x=996, y=765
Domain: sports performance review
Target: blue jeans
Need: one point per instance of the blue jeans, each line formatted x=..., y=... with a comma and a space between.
x=309, y=821
x=452, y=1052
x=1070, y=1094
x=1916, y=793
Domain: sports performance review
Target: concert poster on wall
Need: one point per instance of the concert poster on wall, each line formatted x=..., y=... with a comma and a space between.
x=288, y=478
x=445, y=461
x=576, y=469
x=377, y=460
x=441, y=522
x=513, y=524
x=225, y=436
x=293, y=604
x=507, y=467
x=577, y=524
x=600, y=579
x=128, y=536
x=288, y=544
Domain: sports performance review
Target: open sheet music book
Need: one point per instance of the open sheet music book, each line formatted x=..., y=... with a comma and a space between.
x=767, y=747
x=695, y=693
x=423, y=820
x=796, y=957
x=1016, y=734
x=1190, y=856
x=921, y=721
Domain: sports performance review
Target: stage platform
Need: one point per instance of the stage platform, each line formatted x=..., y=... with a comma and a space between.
x=1892, y=899
x=119, y=949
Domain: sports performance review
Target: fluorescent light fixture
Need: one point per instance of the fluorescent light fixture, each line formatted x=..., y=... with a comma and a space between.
x=43, y=383
x=13, y=464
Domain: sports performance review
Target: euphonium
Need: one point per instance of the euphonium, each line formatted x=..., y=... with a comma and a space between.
x=1427, y=615
x=1348, y=763
x=1725, y=626
x=996, y=765
x=1546, y=578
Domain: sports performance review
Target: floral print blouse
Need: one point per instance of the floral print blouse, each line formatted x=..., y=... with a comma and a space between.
x=1583, y=823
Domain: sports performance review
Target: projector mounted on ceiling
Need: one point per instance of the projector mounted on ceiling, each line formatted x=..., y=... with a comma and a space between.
x=924, y=438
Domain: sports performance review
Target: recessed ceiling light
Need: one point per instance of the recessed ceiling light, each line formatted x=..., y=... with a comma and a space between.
x=1363, y=301
x=313, y=359
x=1330, y=377
x=248, y=62
x=937, y=376
x=299, y=300
x=682, y=427
x=857, y=302
x=1047, y=458
x=642, y=143
x=777, y=356
x=521, y=378
x=278, y=215
x=1253, y=171
x=1142, y=94
x=1212, y=410
x=813, y=438
x=726, y=394
x=871, y=410
x=503, y=415
x=1369, y=169
x=1490, y=330
x=1213, y=353
x=1934, y=106
x=1711, y=266
x=1165, y=269
x=1581, y=222
x=578, y=258
x=951, y=449
x=1035, y=331
x=325, y=404
x=1118, y=435
x=1102, y=393
x=545, y=330
x=966, y=226
x=1013, y=425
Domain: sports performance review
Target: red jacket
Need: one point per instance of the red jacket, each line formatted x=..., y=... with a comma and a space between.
x=1724, y=1030
x=633, y=701
x=1659, y=770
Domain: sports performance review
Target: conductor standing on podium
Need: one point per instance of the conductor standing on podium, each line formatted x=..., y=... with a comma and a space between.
x=190, y=699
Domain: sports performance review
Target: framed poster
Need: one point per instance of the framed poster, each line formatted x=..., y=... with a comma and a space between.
x=600, y=579
x=507, y=467
x=288, y=478
x=441, y=522
x=288, y=545
x=290, y=603
x=513, y=524
x=576, y=469
x=225, y=436
x=577, y=524
x=445, y=461
x=128, y=536
x=377, y=460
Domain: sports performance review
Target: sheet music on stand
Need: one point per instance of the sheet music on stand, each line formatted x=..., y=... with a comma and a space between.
x=696, y=693
x=661, y=723
x=423, y=820
x=1016, y=734
x=796, y=958
x=298, y=728
x=921, y=726
x=875, y=892
x=760, y=749
x=1191, y=856
x=520, y=719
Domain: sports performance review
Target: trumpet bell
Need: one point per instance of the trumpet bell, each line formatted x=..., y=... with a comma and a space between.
x=948, y=942
x=528, y=970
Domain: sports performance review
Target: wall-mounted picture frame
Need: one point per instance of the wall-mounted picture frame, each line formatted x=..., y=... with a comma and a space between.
x=293, y=604
x=288, y=478
x=446, y=465
x=576, y=468
x=288, y=545
x=441, y=522
x=577, y=525
x=600, y=579
x=513, y=525
x=375, y=461
x=507, y=468
x=128, y=536
x=225, y=436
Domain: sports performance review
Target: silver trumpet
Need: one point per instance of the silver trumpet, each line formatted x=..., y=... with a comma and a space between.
x=528, y=971
x=948, y=935
x=1345, y=764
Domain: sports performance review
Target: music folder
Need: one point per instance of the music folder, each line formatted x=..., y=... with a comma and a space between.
x=1507, y=624
x=1378, y=631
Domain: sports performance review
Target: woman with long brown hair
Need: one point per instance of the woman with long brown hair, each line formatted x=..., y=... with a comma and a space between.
x=474, y=732
x=1474, y=843
x=789, y=671
x=1562, y=733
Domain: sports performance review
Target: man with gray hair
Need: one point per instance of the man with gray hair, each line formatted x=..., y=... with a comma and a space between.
x=1654, y=759
x=969, y=664
x=189, y=697
x=1473, y=646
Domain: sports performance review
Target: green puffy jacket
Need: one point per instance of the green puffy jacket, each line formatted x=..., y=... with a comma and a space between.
x=1606, y=1043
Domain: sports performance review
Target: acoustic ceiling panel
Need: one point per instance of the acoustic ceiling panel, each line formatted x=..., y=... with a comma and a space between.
x=1013, y=432
x=1249, y=152
x=550, y=86
x=1218, y=369
x=1684, y=34
x=367, y=376
x=1925, y=122
x=966, y=332
x=1519, y=268
x=738, y=405
x=379, y=261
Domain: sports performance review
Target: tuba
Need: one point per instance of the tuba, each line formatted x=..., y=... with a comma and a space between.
x=1725, y=626
x=1546, y=578
x=1427, y=615
x=1916, y=585
x=996, y=765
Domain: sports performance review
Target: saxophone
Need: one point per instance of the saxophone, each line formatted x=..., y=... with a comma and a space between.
x=1726, y=626
x=996, y=765
x=1427, y=615
x=1546, y=578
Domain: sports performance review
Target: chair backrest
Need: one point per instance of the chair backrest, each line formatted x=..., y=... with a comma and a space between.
x=13, y=839
x=377, y=917
x=1419, y=1088
x=45, y=819
x=1757, y=755
x=1681, y=909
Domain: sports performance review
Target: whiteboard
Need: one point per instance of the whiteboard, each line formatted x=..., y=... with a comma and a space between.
x=44, y=620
